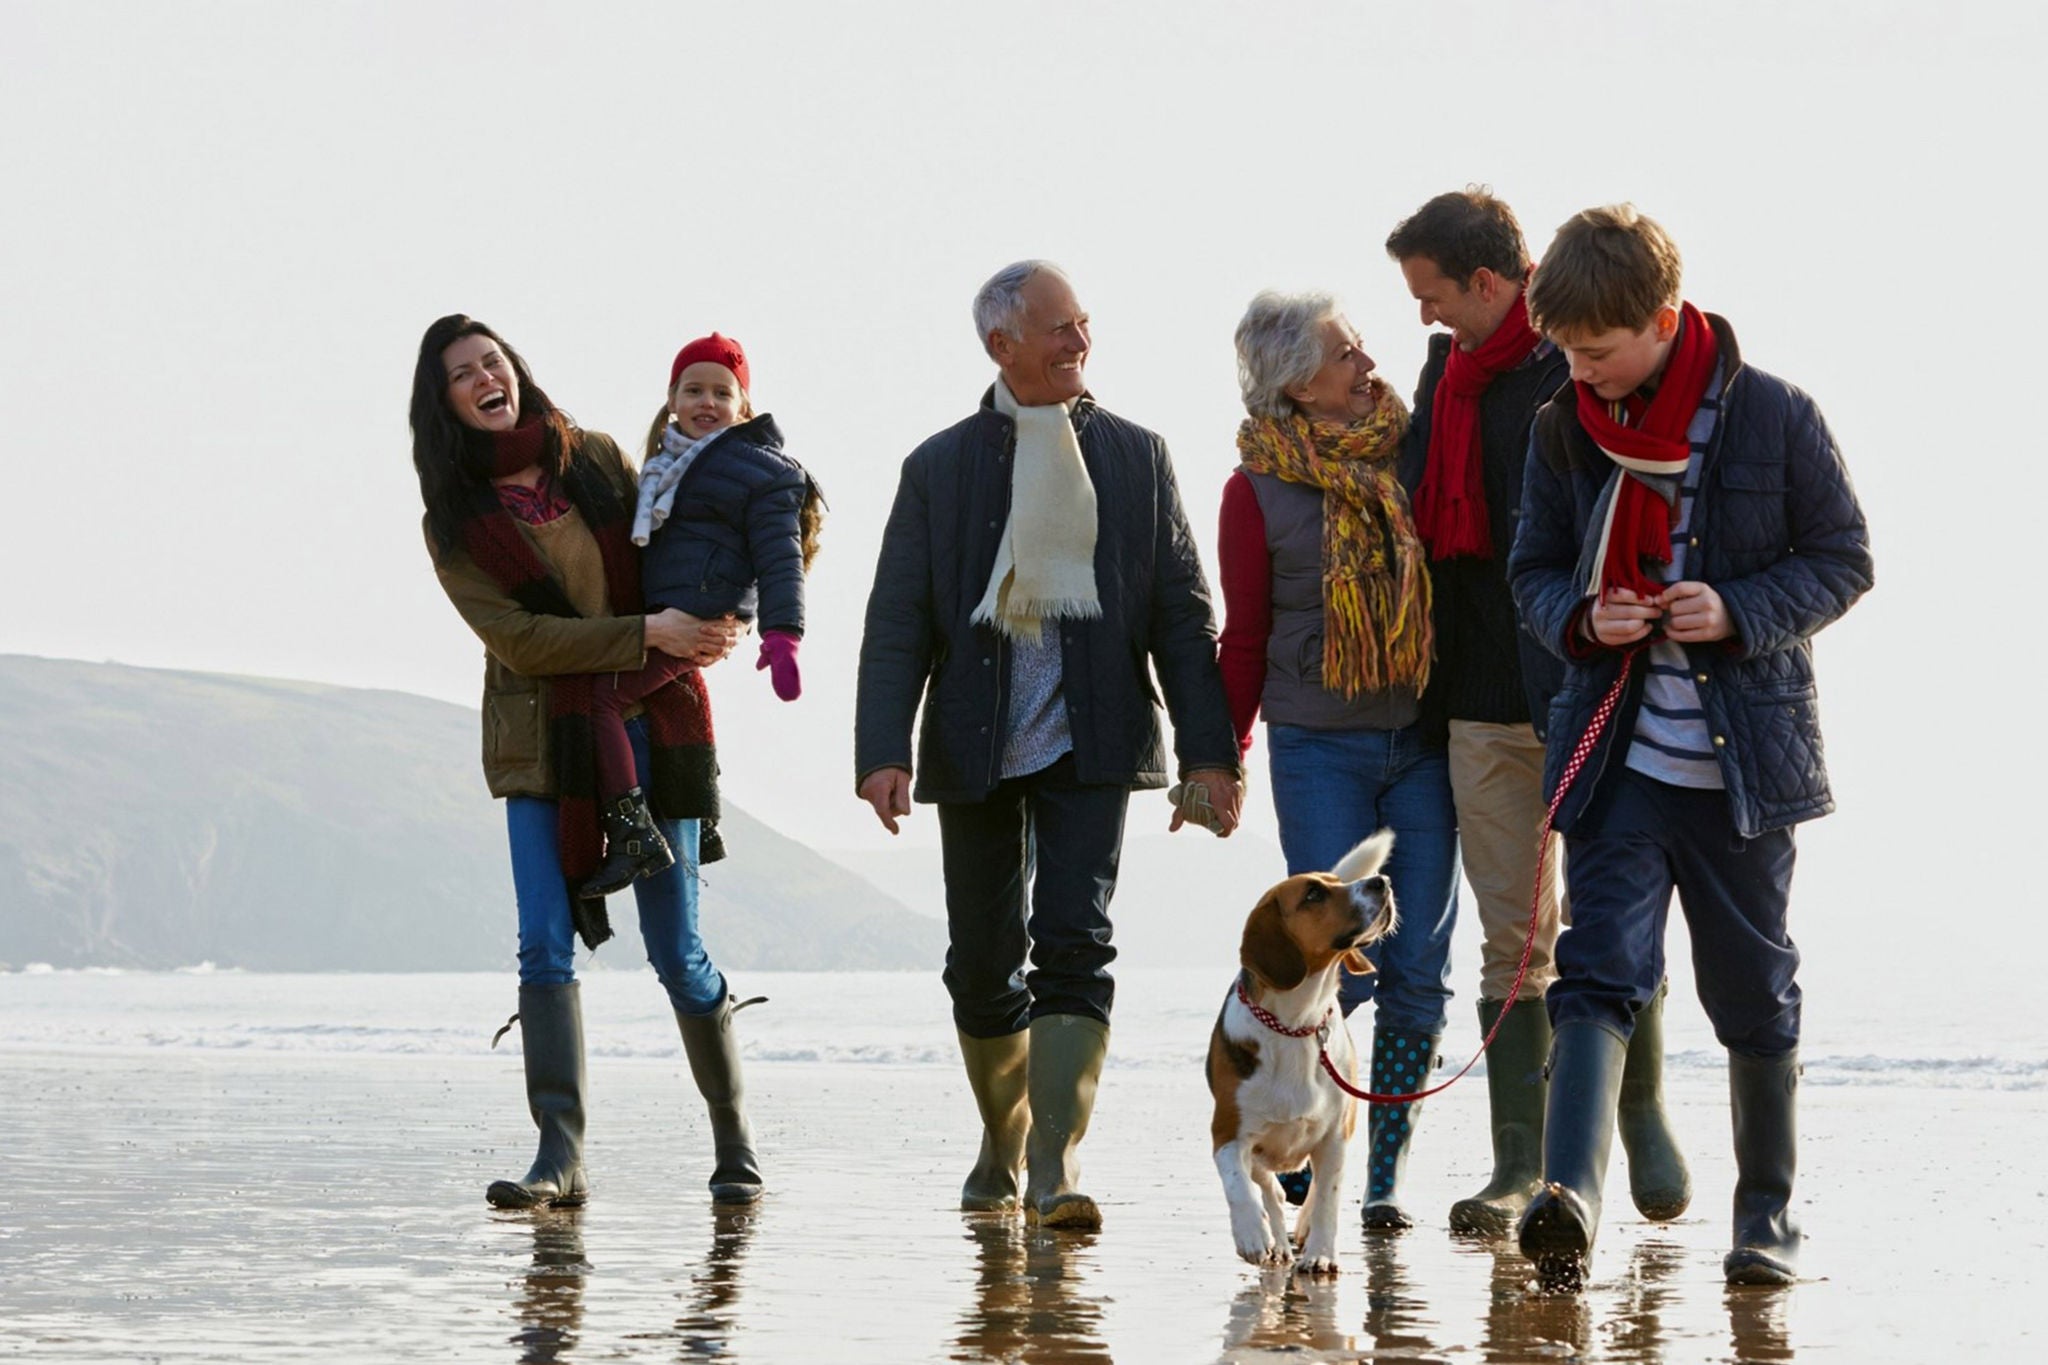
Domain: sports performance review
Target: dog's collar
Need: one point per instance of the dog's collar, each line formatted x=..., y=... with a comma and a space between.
x=1320, y=1029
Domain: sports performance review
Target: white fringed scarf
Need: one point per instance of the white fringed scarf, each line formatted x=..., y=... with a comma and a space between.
x=1045, y=562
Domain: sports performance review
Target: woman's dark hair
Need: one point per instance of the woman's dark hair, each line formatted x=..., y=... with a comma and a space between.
x=454, y=461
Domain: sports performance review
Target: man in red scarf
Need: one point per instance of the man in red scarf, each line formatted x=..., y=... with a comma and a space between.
x=1465, y=261
x=1687, y=527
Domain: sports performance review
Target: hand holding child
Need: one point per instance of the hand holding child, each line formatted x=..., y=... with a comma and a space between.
x=683, y=636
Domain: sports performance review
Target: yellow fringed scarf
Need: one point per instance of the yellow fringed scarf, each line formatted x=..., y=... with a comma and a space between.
x=1376, y=591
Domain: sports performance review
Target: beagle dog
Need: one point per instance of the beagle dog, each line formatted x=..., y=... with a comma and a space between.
x=1275, y=1105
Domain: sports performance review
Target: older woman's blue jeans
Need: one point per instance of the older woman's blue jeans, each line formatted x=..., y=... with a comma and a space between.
x=1332, y=788
x=668, y=902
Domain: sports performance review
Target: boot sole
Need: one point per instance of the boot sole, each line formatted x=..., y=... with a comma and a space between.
x=1071, y=1213
x=989, y=1203
x=510, y=1194
x=1746, y=1265
x=1555, y=1241
x=1384, y=1218
x=1662, y=1206
x=736, y=1194
x=1481, y=1218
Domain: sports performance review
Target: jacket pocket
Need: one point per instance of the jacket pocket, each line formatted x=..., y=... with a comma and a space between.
x=1784, y=741
x=512, y=732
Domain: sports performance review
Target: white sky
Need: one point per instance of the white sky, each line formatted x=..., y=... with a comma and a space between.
x=227, y=224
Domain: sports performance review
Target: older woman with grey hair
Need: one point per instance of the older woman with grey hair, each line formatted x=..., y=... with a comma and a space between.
x=1328, y=630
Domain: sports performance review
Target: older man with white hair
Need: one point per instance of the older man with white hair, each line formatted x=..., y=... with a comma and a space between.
x=1036, y=570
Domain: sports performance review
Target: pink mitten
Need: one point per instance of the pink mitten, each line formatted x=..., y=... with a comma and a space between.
x=778, y=656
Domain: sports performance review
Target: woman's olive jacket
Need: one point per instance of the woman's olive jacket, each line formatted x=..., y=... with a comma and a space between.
x=522, y=648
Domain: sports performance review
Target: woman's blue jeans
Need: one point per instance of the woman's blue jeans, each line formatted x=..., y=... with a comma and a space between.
x=668, y=902
x=1332, y=788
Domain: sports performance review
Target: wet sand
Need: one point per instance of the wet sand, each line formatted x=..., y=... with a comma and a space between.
x=248, y=1206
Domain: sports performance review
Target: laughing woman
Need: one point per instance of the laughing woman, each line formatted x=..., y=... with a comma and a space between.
x=1327, y=629
x=527, y=522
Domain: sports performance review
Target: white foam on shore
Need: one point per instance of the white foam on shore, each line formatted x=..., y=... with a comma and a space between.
x=869, y=1019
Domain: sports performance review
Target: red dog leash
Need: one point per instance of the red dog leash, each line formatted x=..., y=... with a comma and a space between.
x=1581, y=752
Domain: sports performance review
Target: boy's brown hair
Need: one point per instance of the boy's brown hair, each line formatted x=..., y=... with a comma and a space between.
x=1606, y=268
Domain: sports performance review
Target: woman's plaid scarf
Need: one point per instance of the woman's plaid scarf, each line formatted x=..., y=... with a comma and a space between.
x=1376, y=593
x=684, y=781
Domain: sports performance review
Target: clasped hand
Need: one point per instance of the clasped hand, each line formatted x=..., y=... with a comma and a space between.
x=1226, y=798
x=683, y=636
x=1692, y=613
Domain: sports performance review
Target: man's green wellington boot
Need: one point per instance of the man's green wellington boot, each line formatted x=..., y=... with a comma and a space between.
x=551, y=1033
x=997, y=1069
x=714, y=1054
x=1401, y=1065
x=1514, y=1091
x=1658, y=1181
x=1563, y=1219
x=1067, y=1052
x=1763, y=1097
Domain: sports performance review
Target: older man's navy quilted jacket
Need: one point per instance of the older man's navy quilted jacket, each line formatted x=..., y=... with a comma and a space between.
x=1776, y=531
x=937, y=554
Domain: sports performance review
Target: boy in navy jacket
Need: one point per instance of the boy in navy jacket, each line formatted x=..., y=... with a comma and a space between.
x=1687, y=526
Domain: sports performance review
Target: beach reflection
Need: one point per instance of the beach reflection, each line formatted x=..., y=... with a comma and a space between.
x=550, y=1302
x=1396, y=1317
x=1030, y=1303
x=1759, y=1323
x=1286, y=1314
x=705, y=1331
x=1523, y=1323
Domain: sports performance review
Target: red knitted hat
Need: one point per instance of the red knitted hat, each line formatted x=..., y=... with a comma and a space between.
x=719, y=351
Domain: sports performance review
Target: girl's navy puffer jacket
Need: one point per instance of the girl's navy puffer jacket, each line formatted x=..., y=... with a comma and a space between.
x=733, y=540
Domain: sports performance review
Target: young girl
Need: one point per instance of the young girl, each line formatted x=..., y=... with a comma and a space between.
x=730, y=526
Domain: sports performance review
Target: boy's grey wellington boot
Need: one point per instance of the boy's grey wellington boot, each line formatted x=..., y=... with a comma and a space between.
x=1401, y=1065
x=998, y=1070
x=1558, y=1231
x=1067, y=1052
x=1763, y=1098
x=1514, y=1090
x=1658, y=1180
x=714, y=1055
x=551, y=1032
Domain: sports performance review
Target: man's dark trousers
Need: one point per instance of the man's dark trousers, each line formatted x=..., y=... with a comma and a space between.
x=1060, y=840
x=1639, y=839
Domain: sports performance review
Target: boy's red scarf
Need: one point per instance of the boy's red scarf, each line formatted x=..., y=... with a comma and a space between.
x=1450, y=506
x=684, y=781
x=1647, y=438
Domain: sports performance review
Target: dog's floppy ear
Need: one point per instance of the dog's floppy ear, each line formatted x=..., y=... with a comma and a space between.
x=1267, y=952
x=1366, y=859
x=1357, y=963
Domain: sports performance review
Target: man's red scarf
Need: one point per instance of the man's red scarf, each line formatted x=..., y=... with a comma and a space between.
x=684, y=781
x=1647, y=438
x=1450, y=506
